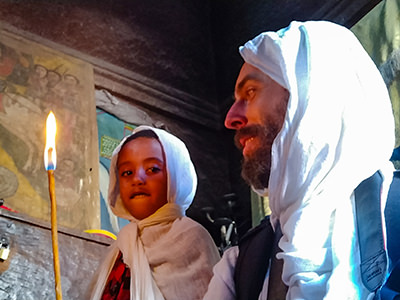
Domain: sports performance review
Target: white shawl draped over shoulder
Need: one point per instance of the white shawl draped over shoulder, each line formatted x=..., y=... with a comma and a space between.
x=338, y=131
x=170, y=256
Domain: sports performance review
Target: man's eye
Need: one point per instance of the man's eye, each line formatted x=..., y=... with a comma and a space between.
x=250, y=92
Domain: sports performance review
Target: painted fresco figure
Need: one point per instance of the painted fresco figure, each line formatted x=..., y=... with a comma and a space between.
x=37, y=83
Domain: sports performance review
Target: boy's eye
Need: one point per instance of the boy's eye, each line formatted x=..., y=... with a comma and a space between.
x=152, y=170
x=126, y=173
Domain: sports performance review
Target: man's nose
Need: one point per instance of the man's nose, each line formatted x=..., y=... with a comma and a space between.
x=236, y=117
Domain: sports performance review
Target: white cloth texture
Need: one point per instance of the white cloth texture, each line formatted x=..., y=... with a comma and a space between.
x=338, y=131
x=222, y=285
x=170, y=255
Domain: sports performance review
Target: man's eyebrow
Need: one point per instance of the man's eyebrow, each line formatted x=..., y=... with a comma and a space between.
x=245, y=79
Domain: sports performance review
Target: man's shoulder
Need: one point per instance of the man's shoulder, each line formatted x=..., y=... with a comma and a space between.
x=253, y=260
x=259, y=231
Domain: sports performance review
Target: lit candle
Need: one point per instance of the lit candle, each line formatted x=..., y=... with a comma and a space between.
x=50, y=160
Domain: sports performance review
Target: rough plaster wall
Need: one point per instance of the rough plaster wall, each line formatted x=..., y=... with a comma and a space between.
x=166, y=41
x=28, y=273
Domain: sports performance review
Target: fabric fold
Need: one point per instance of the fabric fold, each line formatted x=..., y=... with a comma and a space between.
x=338, y=131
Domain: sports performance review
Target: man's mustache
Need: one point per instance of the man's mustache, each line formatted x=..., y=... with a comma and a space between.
x=251, y=130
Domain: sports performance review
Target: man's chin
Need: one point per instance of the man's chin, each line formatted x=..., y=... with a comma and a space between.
x=255, y=174
x=256, y=164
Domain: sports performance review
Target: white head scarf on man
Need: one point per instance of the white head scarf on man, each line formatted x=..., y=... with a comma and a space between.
x=338, y=131
x=170, y=255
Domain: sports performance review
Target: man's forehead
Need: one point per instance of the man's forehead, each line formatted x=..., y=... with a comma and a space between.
x=249, y=72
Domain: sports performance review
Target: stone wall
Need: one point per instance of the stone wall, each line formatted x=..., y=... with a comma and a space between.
x=28, y=272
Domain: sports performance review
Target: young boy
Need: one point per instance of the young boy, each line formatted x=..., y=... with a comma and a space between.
x=161, y=253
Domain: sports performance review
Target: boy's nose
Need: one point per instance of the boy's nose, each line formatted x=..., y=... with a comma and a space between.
x=138, y=177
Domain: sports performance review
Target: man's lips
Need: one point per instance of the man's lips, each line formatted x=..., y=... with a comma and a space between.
x=243, y=141
x=246, y=135
x=248, y=144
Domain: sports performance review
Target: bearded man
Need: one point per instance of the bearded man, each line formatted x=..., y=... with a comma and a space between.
x=313, y=120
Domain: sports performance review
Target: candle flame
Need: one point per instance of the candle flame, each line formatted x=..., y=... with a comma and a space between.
x=50, y=157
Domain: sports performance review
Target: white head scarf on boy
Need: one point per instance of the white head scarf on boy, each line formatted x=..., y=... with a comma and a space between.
x=159, y=249
x=338, y=131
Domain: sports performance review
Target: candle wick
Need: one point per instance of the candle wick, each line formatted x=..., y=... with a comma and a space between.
x=50, y=159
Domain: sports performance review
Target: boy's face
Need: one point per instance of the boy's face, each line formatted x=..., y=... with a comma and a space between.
x=142, y=177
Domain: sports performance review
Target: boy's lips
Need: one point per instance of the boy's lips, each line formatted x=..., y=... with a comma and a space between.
x=139, y=194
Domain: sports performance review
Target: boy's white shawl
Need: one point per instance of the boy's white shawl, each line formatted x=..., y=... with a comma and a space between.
x=338, y=130
x=170, y=255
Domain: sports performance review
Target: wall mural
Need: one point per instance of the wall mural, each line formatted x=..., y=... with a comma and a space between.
x=34, y=80
x=111, y=131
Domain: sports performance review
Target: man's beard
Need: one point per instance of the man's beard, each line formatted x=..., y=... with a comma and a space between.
x=256, y=167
